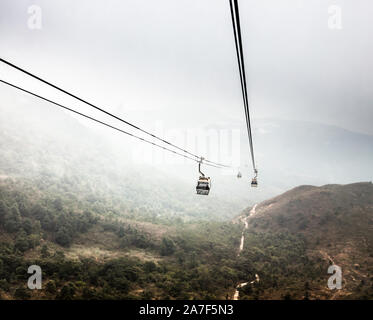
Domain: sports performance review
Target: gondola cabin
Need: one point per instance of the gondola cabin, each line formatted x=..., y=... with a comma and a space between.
x=254, y=183
x=203, y=186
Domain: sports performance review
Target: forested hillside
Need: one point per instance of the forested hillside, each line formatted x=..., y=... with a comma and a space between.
x=103, y=228
x=332, y=224
x=85, y=252
x=99, y=226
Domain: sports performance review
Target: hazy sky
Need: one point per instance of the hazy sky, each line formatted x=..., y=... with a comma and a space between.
x=174, y=60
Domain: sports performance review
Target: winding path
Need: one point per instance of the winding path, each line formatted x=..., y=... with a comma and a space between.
x=243, y=284
x=244, y=220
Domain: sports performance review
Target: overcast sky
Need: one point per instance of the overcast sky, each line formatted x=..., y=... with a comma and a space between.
x=174, y=60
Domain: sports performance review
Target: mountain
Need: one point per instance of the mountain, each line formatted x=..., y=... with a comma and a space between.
x=333, y=224
x=102, y=226
x=290, y=153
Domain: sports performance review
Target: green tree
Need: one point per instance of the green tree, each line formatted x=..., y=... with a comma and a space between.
x=44, y=251
x=27, y=225
x=167, y=247
x=22, y=243
x=63, y=237
x=12, y=221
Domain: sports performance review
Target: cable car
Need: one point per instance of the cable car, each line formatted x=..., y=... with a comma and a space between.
x=203, y=186
x=254, y=181
x=204, y=183
x=239, y=175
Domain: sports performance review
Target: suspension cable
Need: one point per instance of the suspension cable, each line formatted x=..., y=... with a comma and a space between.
x=106, y=112
x=103, y=123
x=241, y=65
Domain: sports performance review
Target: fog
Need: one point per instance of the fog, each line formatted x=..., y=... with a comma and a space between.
x=170, y=67
x=168, y=58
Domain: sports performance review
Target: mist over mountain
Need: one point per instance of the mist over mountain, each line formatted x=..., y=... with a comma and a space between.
x=314, y=152
x=39, y=140
x=108, y=215
x=291, y=153
x=74, y=198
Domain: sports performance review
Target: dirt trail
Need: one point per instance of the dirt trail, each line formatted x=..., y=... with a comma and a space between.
x=244, y=220
x=246, y=225
x=241, y=285
x=326, y=256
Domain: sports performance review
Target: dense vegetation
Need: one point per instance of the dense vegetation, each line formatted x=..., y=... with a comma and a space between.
x=38, y=228
x=100, y=229
x=335, y=225
x=144, y=261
